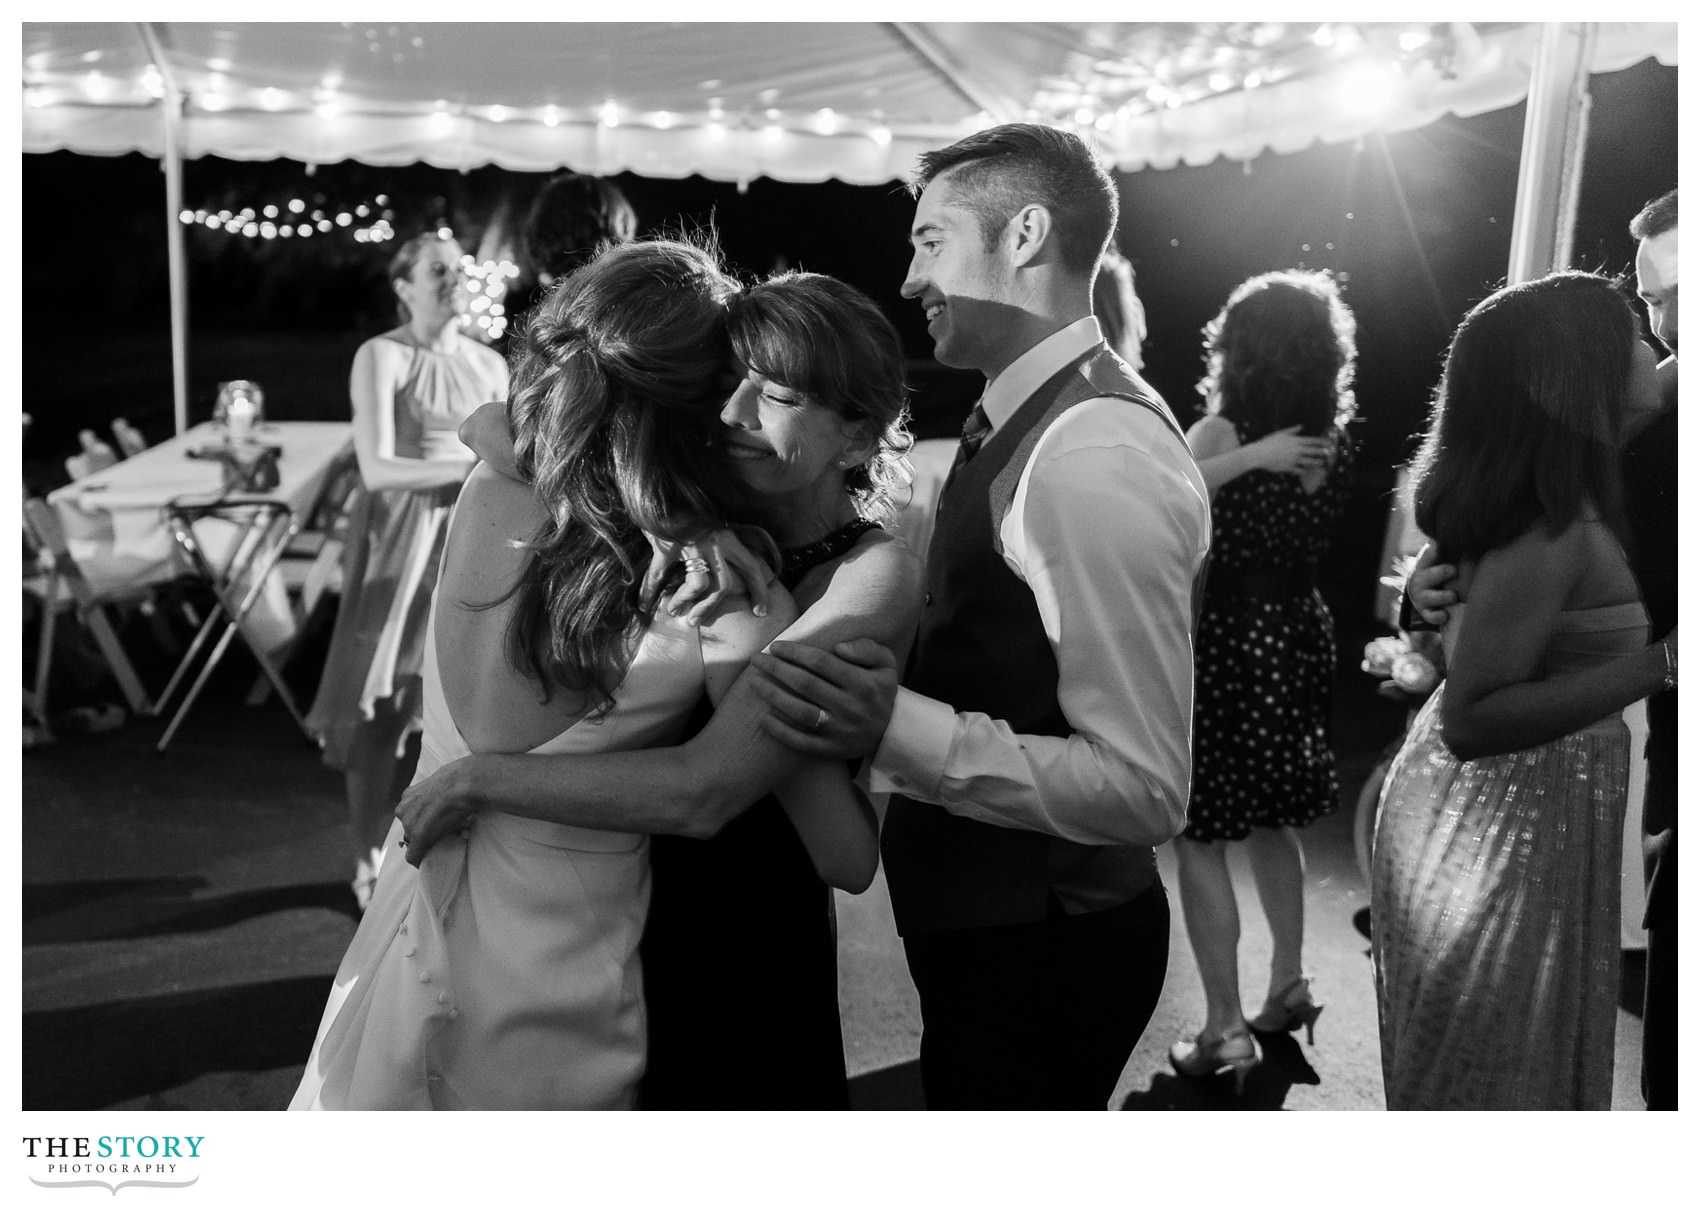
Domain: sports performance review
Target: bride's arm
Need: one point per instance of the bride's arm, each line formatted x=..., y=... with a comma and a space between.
x=691, y=789
x=1498, y=699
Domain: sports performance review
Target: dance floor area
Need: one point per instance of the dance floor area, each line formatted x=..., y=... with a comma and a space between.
x=183, y=915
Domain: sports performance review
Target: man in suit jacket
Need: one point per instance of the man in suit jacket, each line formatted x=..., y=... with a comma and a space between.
x=1040, y=746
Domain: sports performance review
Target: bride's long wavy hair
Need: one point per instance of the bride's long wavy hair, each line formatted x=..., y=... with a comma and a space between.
x=614, y=415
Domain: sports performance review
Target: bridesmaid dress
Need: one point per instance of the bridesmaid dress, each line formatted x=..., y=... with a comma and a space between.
x=1495, y=901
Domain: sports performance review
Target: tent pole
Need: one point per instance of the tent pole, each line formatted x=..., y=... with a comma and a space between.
x=171, y=164
x=173, y=167
x=1549, y=175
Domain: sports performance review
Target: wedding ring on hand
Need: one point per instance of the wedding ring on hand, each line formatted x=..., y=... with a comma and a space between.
x=820, y=720
x=695, y=565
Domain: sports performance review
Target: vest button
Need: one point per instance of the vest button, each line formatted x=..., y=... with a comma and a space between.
x=927, y=600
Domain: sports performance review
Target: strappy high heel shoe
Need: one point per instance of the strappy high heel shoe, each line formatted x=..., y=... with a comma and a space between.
x=1291, y=1009
x=1233, y=1051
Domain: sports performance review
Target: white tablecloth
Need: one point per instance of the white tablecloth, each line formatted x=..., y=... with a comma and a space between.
x=115, y=519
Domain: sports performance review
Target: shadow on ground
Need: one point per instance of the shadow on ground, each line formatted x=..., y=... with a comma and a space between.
x=97, y=910
x=1283, y=1067
x=127, y=1049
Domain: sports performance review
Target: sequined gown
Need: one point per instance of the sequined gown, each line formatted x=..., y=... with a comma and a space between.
x=1494, y=904
x=503, y=972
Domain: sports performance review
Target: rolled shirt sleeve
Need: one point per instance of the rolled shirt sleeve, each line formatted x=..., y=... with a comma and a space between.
x=1108, y=528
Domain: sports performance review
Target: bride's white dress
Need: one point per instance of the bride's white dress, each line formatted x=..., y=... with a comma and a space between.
x=503, y=972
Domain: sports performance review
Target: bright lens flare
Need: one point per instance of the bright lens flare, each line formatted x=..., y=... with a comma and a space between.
x=1368, y=88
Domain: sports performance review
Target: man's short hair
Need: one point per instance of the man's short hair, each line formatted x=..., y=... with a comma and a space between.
x=1655, y=218
x=1000, y=170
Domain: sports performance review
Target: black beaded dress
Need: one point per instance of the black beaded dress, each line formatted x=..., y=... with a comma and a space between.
x=1265, y=655
x=740, y=958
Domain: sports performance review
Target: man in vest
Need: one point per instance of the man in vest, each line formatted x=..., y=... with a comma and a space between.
x=1040, y=746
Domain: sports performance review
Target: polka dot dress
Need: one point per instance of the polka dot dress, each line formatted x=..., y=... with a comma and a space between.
x=1265, y=657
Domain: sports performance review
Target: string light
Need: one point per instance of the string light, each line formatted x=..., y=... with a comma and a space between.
x=1150, y=72
x=269, y=220
x=487, y=283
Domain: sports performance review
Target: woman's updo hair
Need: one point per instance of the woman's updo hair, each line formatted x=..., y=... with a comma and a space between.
x=613, y=408
x=406, y=259
x=829, y=341
x=1282, y=351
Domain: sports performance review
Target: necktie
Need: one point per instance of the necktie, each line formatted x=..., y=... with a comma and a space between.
x=974, y=432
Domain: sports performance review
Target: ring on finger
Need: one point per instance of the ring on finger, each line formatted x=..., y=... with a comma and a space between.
x=695, y=565
x=820, y=719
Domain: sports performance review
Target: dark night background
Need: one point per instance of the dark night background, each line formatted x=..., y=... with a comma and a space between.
x=1416, y=225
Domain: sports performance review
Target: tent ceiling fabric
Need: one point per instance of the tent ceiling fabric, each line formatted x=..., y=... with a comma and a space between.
x=857, y=101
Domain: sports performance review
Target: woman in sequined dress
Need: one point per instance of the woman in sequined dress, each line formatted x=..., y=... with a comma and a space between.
x=1274, y=453
x=740, y=952
x=1495, y=876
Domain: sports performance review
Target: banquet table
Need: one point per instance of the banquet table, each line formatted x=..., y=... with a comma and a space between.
x=117, y=515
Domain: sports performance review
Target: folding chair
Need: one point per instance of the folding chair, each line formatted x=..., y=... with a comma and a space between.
x=311, y=566
x=88, y=587
x=262, y=530
x=312, y=563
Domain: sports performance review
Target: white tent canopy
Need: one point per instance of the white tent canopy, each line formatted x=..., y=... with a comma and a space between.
x=736, y=101
x=856, y=101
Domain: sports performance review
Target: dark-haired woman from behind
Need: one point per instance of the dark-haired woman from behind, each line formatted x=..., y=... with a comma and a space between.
x=1274, y=454
x=1495, y=878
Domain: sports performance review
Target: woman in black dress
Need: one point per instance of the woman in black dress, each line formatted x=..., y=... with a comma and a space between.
x=740, y=951
x=1275, y=456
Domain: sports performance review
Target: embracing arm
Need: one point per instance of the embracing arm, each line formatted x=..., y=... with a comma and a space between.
x=1497, y=698
x=874, y=594
x=1221, y=458
x=691, y=789
x=378, y=366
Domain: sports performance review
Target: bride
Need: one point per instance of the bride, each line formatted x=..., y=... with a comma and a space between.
x=503, y=971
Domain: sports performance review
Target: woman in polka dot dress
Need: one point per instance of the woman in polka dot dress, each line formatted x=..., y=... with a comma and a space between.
x=1277, y=461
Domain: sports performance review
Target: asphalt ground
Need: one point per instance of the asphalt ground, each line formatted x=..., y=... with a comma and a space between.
x=183, y=914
